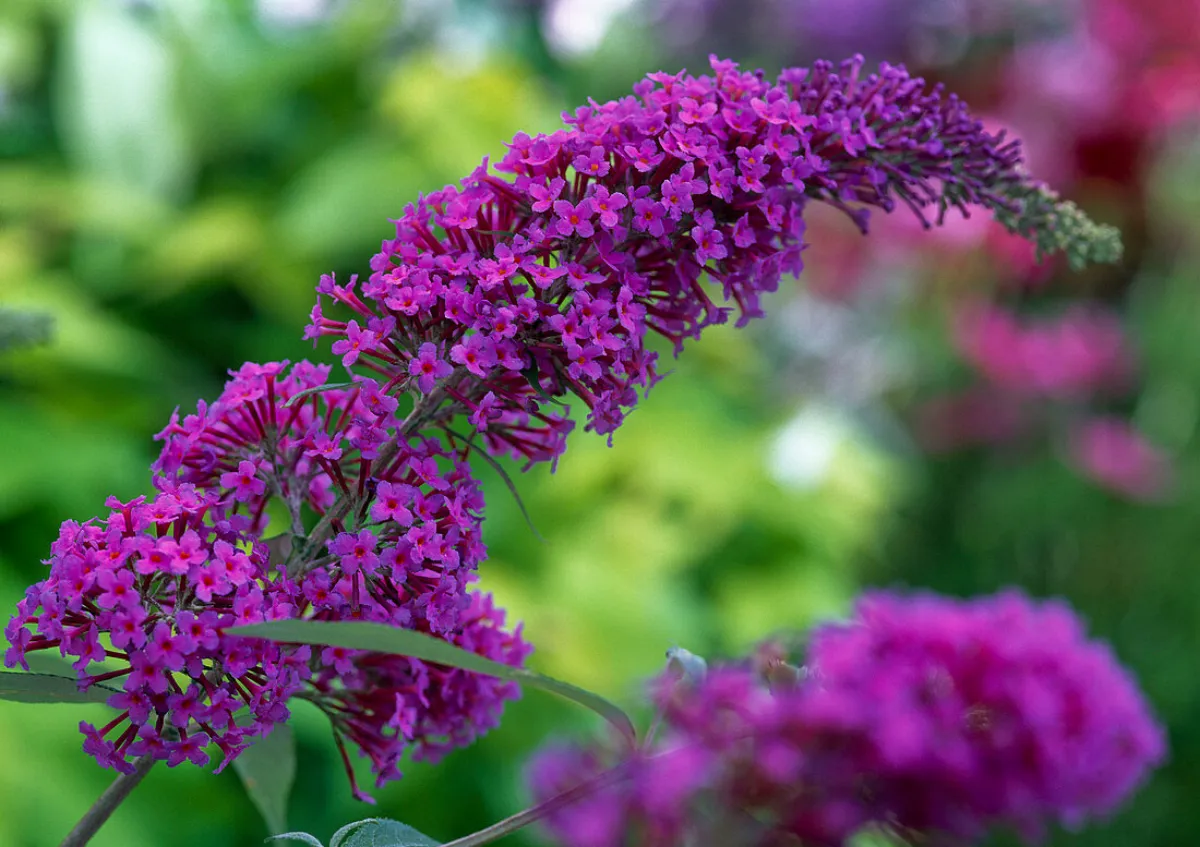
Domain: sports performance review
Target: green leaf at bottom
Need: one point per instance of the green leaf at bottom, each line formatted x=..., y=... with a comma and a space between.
x=380, y=832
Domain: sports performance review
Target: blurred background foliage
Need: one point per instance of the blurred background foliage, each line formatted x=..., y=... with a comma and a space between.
x=175, y=174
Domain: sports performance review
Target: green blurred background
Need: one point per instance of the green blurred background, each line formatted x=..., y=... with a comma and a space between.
x=175, y=175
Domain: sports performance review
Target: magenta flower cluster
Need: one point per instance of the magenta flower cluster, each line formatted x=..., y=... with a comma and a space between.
x=139, y=601
x=418, y=537
x=142, y=601
x=922, y=715
x=387, y=704
x=501, y=296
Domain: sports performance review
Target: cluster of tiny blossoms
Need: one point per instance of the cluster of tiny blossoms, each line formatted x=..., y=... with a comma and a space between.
x=149, y=593
x=388, y=704
x=500, y=296
x=140, y=601
x=416, y=538
x=924, y=716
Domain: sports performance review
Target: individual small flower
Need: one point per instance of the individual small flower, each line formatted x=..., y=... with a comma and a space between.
x=648, y=217
x=428, y=367
x=356, y=342
x=356, y=553
x=244, y=482
x=477, y=354
x=574, y=218
x=608, y=204
x=594, y=163
x=708, y=244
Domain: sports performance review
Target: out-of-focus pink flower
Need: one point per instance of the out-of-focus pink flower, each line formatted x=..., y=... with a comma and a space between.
x=1079, y=353
x=1115, y=455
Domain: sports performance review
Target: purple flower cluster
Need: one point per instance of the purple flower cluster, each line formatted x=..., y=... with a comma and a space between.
x=141, y=600
x=922, y=714
x=502, y=294
x=153, y=590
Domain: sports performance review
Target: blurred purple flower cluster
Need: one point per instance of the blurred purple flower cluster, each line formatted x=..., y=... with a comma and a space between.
x=926, y=716
x=1076, y=354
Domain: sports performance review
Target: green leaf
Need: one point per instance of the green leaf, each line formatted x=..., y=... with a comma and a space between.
x=405, y=642
x=310, y=840
x=380, y=832
x=301, y=395
x=534, y=377
x=267, y=769
x=50, y=688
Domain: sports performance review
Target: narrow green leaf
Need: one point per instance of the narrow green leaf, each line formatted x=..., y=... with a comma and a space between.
x=534, y=377
x=606, y=709
x=297, y=397
x=267, y=769
x=405, y=642
x=512, y=487
x=49, y=688
x=380, y=832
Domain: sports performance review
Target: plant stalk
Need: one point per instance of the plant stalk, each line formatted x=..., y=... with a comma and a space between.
x=107, y=803
x=523, y=818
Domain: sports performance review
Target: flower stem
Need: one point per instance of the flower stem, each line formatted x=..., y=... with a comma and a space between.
x=107, y=803
x=524, y=818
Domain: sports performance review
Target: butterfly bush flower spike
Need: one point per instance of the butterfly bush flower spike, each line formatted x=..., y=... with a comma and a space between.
x=667, y=212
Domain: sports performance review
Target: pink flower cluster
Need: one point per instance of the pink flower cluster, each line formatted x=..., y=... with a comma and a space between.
x=925, y=715
x=1076, y=354
x=141, y=600
x=153, y=590
x=502, y=295
x=1117, y=456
